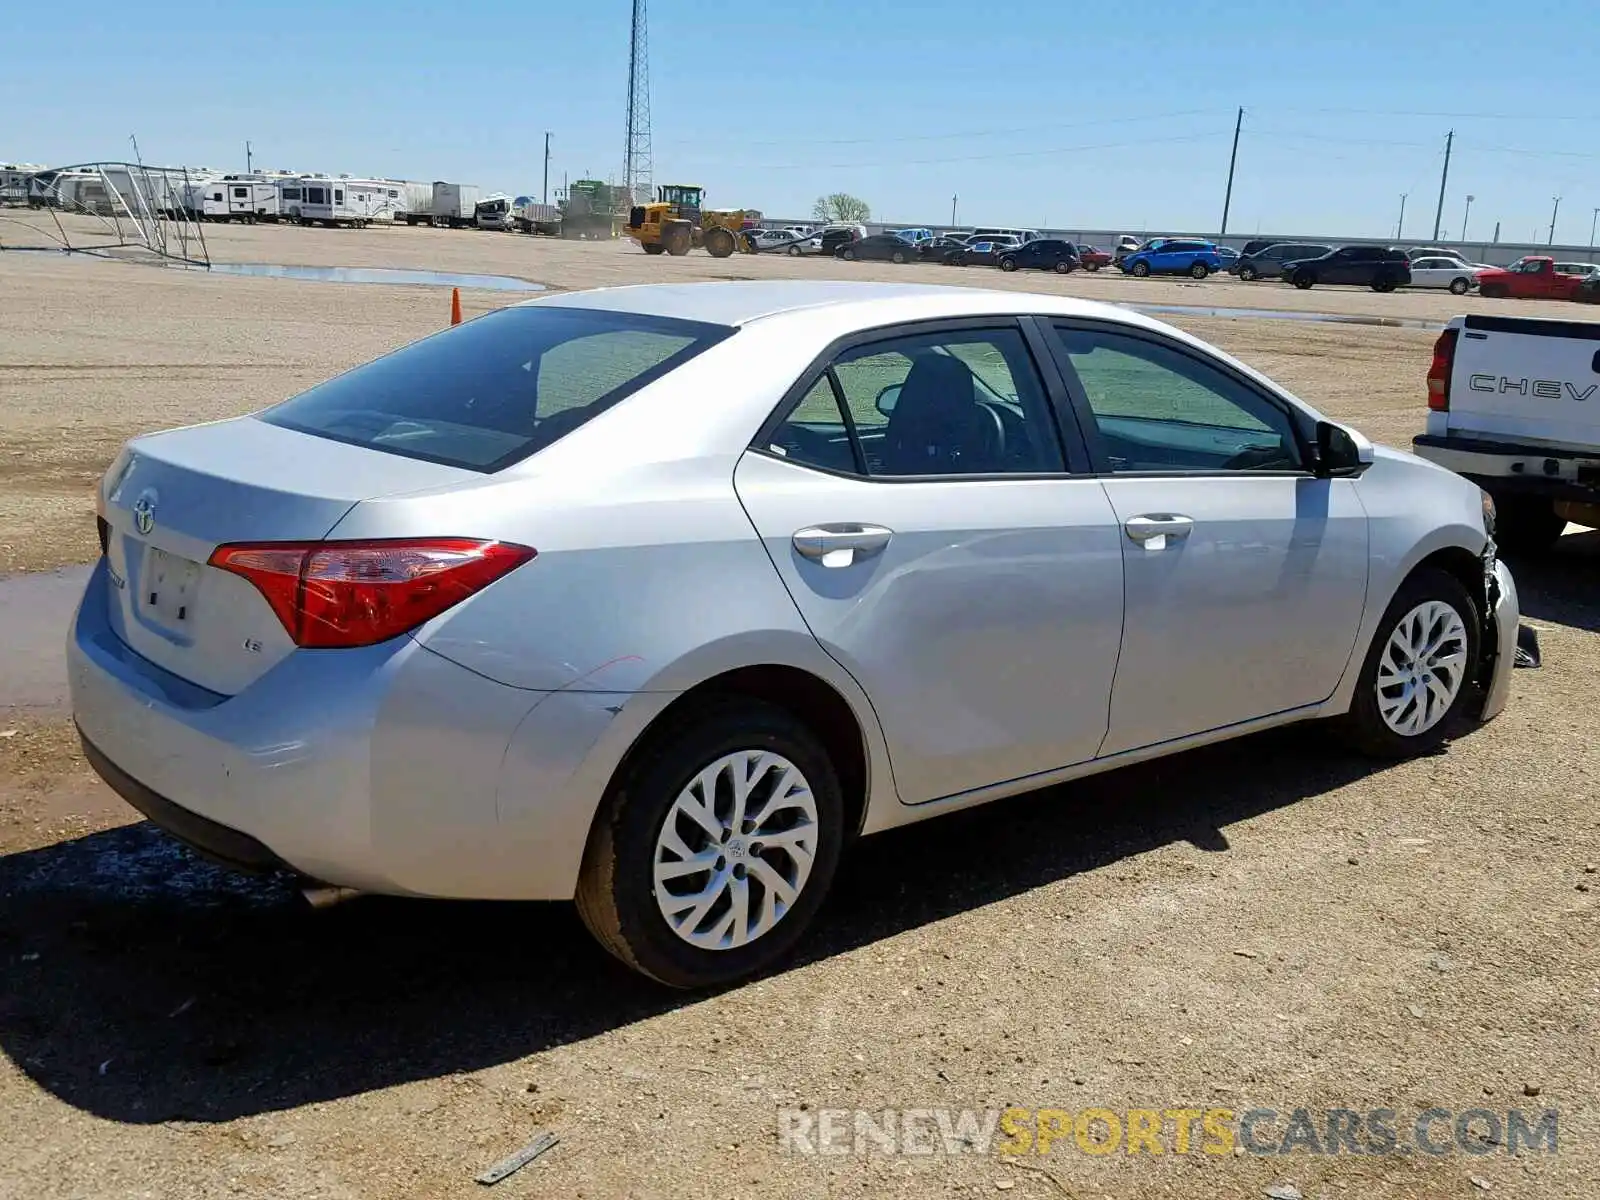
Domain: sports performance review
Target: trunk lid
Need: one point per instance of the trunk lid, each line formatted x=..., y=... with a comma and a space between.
x=1527, y=379
x=172, y=498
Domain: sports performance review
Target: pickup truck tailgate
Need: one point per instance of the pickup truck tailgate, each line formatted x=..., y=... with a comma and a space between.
x=1527, y=379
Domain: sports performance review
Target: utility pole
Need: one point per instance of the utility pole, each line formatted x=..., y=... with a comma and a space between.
x=1399, y=229
x=953, y=200
x=1233, y=160
x=1464, y=217
x=546, y=199
x=1444, y=178
x=248, y=158
x=1553, y=211
x=1592, y=221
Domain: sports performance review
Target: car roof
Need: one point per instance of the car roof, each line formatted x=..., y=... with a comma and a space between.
x=744, y=302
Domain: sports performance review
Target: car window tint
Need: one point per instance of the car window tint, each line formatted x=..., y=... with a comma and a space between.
x=498, y=388
x=949, y=404
x=1159, y=409
x=814, y=433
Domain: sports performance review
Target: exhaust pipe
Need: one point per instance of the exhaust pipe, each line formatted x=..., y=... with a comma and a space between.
x=321, y=897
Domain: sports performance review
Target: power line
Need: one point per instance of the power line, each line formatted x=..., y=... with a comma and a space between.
x=956, y=136
x=918, y=162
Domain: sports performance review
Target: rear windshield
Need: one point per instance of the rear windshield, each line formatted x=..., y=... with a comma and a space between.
x=493, y=391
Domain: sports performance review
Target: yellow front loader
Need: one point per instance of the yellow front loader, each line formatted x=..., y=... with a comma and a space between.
x=675, y=223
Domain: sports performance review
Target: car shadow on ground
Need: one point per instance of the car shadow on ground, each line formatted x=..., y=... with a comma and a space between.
x=143, y=985
x=1561, y=587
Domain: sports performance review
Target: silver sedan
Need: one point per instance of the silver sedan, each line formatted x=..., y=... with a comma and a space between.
x=656, y=598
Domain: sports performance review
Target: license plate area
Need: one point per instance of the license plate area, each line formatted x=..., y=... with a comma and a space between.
x=169, y=586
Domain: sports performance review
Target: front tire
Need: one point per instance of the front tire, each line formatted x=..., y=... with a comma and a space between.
x=692, y=908
x=1304, y=280
x=795, y=252
x=1418, y=671
x=1008, y=264
x=1460, y=287
x=1141, y=270
x=1091, y=266
x=1248, y=274
x=898, y=257
x=847, y=254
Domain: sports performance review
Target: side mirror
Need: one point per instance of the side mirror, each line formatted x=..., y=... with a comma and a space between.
x=1341, y=452
x=887, y=398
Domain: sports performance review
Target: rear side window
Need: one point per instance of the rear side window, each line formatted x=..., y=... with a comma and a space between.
x=499, y=388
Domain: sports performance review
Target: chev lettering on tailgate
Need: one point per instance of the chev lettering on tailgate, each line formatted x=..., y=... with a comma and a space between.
x=1544, y=389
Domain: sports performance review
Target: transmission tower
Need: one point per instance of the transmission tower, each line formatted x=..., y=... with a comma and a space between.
x=638, y=168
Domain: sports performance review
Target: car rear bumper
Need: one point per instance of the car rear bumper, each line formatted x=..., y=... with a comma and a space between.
x=387, y=768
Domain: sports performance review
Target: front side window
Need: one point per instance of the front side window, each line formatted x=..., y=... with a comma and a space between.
x=938, y=404
x=1159, y=409
x=496, y=389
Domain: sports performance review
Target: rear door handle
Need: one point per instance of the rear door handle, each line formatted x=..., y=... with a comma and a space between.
x=1151, y=530
x=841, y=543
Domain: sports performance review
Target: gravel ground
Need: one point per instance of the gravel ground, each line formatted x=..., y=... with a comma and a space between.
x=1267, y=924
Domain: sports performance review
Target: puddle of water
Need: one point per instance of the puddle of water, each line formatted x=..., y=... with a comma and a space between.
x=1271, y=314
x=35, y=613
x=389, y=275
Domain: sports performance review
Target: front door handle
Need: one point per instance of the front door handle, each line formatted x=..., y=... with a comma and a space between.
x=1153, y=529
x=841, y=543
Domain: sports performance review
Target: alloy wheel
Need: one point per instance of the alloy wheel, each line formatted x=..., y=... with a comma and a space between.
x=735, y=850
x=1422, y=668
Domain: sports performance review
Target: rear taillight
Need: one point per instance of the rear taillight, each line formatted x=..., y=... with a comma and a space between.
x=1444, y=358
x=341, y=594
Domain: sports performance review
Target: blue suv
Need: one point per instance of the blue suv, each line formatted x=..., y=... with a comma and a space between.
x=1174, y=256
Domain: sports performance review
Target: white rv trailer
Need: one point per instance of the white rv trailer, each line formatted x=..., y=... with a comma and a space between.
x=14, y=179
x=247, y=198
x=337, y=200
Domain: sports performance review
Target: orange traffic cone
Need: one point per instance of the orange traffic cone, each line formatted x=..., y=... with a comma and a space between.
x=455, y=306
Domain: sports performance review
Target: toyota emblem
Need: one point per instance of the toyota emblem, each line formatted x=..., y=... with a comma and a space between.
x=144, y=513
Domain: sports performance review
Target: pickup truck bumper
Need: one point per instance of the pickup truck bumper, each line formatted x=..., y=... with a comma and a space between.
x=1506, y=467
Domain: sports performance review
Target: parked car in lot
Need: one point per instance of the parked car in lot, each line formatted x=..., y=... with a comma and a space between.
x=1042, y=254
x=985, y=252
x=835, y=236
x=770, y=240
x=386, y=636
x=1267, y=261
x=1512, y=406
x=1443, y=273
x=1581, y=269
x=1174, y=256
x=942, y=249
x=1092, y=257
x=879, y=247
x=1534, y=277
x=1381, y=268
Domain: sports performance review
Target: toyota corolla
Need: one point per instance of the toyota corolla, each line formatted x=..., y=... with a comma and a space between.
x=656, y=598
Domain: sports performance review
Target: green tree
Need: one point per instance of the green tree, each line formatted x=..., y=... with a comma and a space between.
x=841, y=208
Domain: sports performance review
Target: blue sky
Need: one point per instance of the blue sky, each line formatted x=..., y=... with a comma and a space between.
x=1033, y=112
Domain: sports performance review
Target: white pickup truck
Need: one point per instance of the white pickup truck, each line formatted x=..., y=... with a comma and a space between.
x=1514, y=405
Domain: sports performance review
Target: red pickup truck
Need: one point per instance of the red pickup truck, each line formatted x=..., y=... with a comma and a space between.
x=1531, y=278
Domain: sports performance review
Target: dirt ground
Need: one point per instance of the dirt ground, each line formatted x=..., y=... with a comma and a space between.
x=1270, y=924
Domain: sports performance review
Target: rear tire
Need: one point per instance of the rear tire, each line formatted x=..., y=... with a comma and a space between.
x=1526, y=525
x=653, y=247
x=848, y=254
x=1063, y=267
x=1199, y=271
x=618, y=896
x=1383, y=284
x=795, y=252
x=1442, y=616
